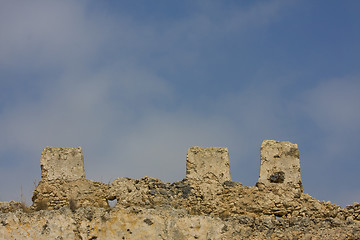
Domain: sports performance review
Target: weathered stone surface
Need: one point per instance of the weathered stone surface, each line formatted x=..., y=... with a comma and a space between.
x=11, y=206
x=212, y=162
x=78, y=193
x=165, y=223
x=280, y=164
x=62, y=163
x=202, y=206
x=63, y=182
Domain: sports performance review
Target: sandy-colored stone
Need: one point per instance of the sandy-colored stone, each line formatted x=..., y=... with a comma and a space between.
x=62, y=163
x=212, y=162
x=204, y=205
x=165, y=223
x=78, y=193
x=280, y=164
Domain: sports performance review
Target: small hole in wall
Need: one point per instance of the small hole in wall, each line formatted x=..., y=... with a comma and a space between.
x=112, y=203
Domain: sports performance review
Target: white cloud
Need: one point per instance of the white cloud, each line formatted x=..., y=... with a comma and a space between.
x=331, y=110
x=79, y=106
x=156, y=146
x=258, y=15
x=42, y=34
x=334, y=105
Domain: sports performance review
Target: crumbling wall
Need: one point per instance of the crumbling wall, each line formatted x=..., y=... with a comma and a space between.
x=206, y=204
x=63, y=181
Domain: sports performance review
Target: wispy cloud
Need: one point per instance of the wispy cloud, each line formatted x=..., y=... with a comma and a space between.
x=43, y=34
x=334, y=105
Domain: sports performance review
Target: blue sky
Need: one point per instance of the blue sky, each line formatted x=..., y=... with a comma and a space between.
x=136, y=83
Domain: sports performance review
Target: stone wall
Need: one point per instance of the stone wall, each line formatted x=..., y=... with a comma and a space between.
x=63, y=181
x=166, y=223
x=206, y=204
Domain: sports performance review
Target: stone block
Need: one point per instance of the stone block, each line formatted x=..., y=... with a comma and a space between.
x=280, y=164
x=210, y=162
x=62, y=163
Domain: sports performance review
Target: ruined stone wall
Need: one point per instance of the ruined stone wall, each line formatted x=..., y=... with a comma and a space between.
x=206, y=204
x=63, y=181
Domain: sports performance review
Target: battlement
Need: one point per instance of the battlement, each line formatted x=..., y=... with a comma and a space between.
x=279, y=164
x=207, y=169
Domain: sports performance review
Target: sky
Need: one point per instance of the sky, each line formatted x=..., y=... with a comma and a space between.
x=136, y=83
